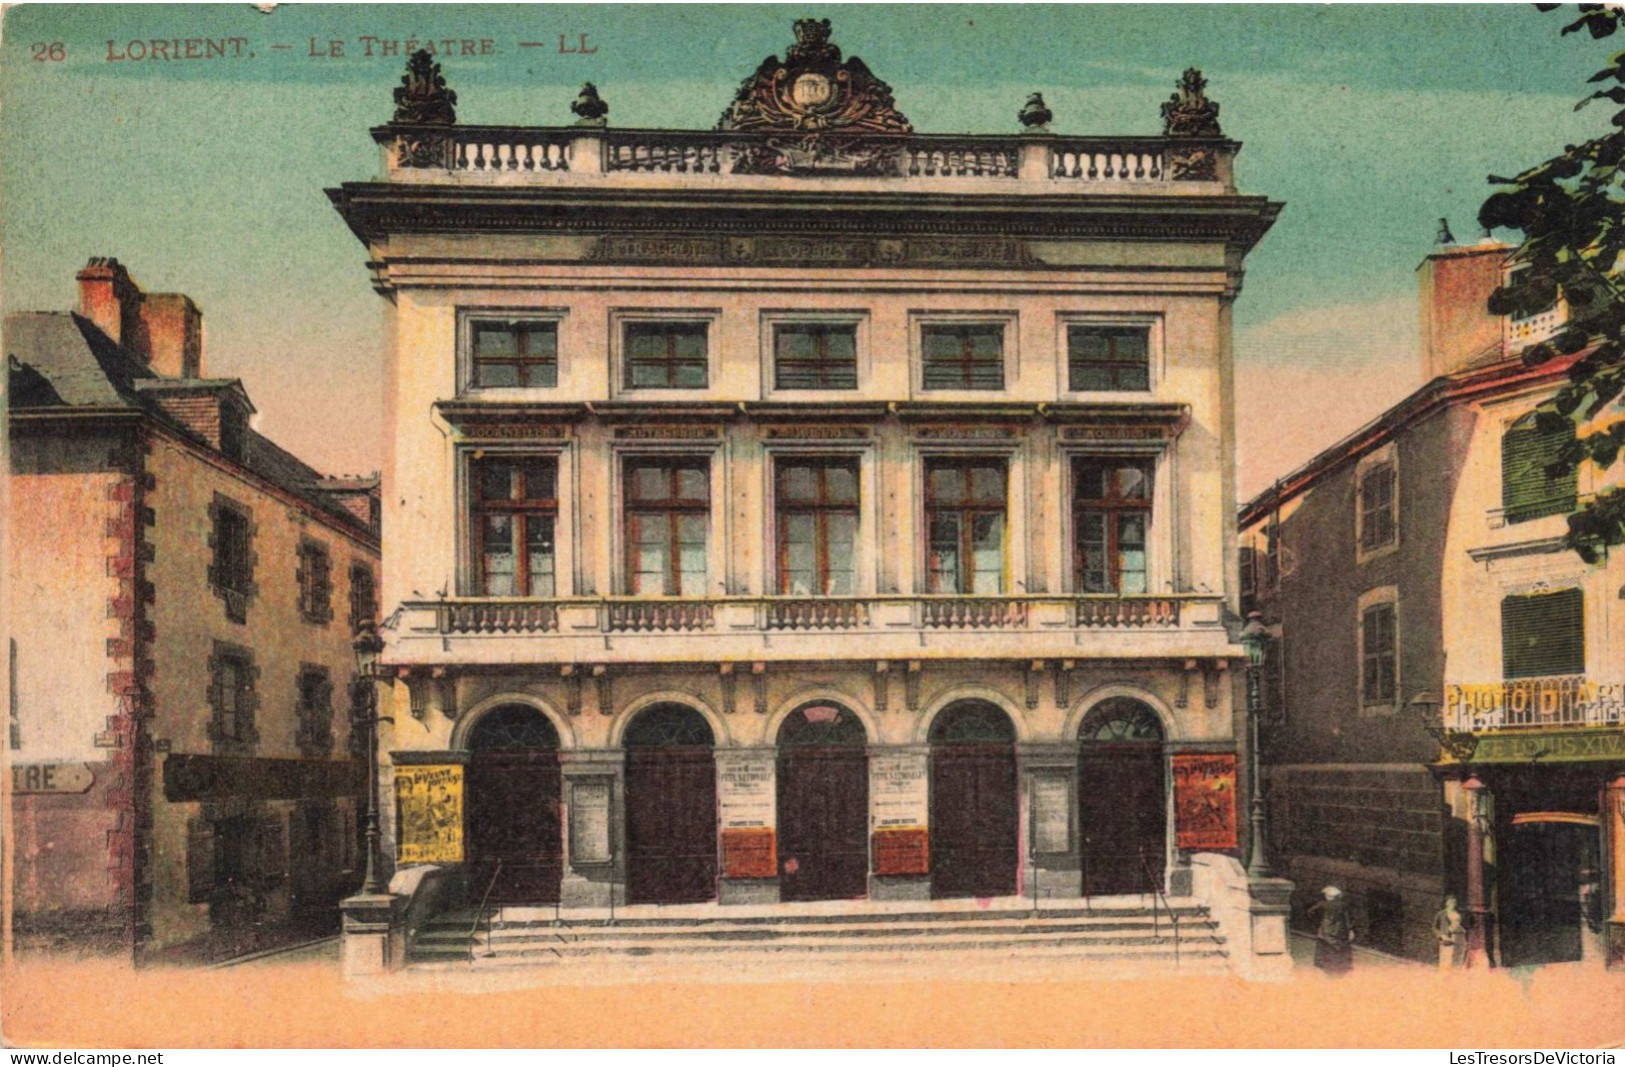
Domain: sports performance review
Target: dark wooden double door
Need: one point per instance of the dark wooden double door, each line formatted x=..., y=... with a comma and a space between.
x=671, y=825
x=823, y=823
x=1545, y=905
x=515, y=835
x=974, y=820
x=1122, y=818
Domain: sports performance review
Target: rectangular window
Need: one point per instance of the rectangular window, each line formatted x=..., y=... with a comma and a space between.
x=1377, y=637
x=817, y=501
x=363, y=595
x=1378, y=525
x=815, y=356
x=666, y=355
x=232, y=572
x=668, y=516
x=1111, y=518
x=514, y=354
x=969, y=356
x=515, y=512
x=314, y=711
x=1114, y=358
x=965, y=502
x=232, y=699
x=1527, y=491
x=315, y=577
x=1543, y=634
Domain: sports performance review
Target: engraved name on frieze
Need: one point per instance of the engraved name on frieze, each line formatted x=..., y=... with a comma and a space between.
x=1113, y=433
x=513, y=431
x=665, y=433
x=646, y=247
x=967, y=433
x=966, y=250
x=817, y=433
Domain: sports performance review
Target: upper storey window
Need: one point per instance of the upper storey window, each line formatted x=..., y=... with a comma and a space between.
x=668, y=516
x=962, y=355
x=1111, y=519
x=818, y=526
x=965, y=502
x=1108, y=358
x=1379, y=526
x=1527, y=492
x=515, y=514
x=815, y=356
x=513, y=353
x=666, y=355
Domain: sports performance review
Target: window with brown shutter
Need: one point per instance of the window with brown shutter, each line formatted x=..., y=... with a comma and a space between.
x=1543, y=634
x=1527, y=490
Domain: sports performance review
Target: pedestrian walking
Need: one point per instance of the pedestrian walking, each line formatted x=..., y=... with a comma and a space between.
x=1334, y=945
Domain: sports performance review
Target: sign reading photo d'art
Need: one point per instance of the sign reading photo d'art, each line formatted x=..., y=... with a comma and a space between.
x=429, y=814
x=1205, y=801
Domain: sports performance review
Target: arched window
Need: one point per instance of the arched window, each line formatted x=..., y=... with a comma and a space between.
x=1527, y=492
x=972, y=722
x=668, y=726
x=513, y=728
x=1121, y=720
x=821, y=725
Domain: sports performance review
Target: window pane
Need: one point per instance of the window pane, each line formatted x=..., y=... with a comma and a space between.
x=796, y=343
x=495, y=342
x=841, y=485
x=541, y=342
x=497, y=556
x=944, y=556
x=987, y=536
x=987, y=485
x=842, y=549
x=946, y=485
x=538, y=475
x=650, y=544
x=1133, y=483
x=651, y=483
x=939, y=342
x=539, y=545
x=798, y=483
x=1086, y=343
x=841, y=343
x=1134, y=378
x=496, y=375
x=800, y=554
x=987, y=344
x=691, y=559
x=651, y=375
x=693, y=484
x=690, y=376
x=1085, y=377
x=1092, y=482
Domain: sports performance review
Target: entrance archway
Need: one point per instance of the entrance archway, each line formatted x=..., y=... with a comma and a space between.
x=671, y=807
x=1122, y=798
x=974, y=832
x=515, y=837
x=823, y=804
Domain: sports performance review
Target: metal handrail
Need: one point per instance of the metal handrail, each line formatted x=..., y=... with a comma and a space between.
x=1156, y=889
x=479, y=913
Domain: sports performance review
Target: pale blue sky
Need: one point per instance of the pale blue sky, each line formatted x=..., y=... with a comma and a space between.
x=206, y=177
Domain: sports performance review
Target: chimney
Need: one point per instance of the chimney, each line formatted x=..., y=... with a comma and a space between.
x=109, y=298
x=174, y=335
x=1456, y=282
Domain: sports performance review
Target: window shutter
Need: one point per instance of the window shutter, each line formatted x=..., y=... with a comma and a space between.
x=199, y=860
x=1526, y=491
x=1543, y=634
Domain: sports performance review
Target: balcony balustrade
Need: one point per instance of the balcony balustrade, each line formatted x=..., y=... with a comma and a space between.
x=1556, y=702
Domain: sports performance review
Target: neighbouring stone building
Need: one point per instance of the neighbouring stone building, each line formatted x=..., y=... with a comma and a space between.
x=182, y=597
x=1445, y=687
x=807, y=508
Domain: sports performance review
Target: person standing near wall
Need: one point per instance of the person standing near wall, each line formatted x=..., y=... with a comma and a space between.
x=1448, y=929
x=1334, y=949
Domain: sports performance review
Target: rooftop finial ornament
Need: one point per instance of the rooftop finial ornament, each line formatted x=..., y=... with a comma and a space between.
x=422, y=98
x=1034, y=115
x=812, y=43
x=589, y=107
x=1188, y=112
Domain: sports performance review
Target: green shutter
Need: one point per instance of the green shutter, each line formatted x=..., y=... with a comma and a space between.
x=1543, y=634
x=1526, y=491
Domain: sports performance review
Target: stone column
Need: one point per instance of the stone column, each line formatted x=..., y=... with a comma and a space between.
x=899, y=822
x=1613, y=845
x=1049, y=814
x=747, y=803
x=1476, y=800
x=594, y=804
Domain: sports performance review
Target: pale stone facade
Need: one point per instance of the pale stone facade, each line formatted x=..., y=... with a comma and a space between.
x=590, y=238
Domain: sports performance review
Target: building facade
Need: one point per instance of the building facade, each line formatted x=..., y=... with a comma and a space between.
x=1447, y=712
x=183, y=594
x=808, y=508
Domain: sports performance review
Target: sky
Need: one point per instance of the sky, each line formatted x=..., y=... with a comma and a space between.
x=205, y=176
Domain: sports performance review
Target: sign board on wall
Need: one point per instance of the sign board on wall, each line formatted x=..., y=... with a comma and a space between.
x=1205, y=800
x=746, y=791
x=51, y=778
x=749, y=853
x=590, y=840
x=429, y=814
x=1051, y=815
x=902, y=850
x=899, y=787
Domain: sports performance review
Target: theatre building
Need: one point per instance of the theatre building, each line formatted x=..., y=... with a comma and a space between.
x=1448, y=700
x=807, y=508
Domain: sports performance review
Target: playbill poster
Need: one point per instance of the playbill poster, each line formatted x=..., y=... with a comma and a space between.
x=734, y=525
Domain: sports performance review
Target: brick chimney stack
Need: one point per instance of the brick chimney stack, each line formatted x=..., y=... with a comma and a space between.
x=163, y=330
x=1456, y=282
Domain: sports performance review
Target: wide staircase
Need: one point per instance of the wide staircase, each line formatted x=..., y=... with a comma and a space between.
x=1114, y=934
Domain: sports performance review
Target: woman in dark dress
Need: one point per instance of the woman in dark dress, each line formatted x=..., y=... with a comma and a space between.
x=1334, y=947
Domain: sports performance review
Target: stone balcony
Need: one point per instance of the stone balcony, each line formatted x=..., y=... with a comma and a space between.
x=1545, y=703
x=955, y=163
x=465, y=630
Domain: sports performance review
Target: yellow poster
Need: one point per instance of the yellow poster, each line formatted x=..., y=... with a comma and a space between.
x=429, y=814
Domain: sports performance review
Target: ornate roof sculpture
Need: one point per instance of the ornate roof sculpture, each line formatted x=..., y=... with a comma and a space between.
x=819, y=113
x=422, y=98
x=1188, y=112
x=590, y=108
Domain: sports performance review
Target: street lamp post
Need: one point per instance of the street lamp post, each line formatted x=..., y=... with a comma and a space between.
x=364, y=716
x=1253, y=638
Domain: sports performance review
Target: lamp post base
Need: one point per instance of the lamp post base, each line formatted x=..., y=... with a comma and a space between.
x=374, y=934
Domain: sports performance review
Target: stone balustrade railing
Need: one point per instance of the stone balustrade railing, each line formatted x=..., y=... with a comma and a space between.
x=783, y=614
x=417, y=152
x=1555, y=702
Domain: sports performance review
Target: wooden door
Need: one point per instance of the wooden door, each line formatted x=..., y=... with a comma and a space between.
x=513, y=819
x=973, y=842
x=823, y=823
x=671, y=825
x=1122, y=817
x=1542, y=917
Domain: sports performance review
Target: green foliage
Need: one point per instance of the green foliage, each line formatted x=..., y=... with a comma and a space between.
x=1571, y=211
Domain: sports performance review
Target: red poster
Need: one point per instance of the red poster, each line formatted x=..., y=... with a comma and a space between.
x=904, y=850
x=749, y=853
x=1205, y=801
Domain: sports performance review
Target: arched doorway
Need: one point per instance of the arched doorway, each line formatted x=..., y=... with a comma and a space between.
x=514, y=832
x=1122, y=798
x=671, y=807
x=974, y=830
x=823, y=782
